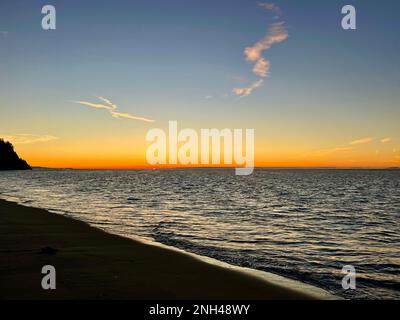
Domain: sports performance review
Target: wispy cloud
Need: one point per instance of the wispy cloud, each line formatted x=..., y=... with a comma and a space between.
x=276, y=33
x=270, y=7
x=261, y=68
x=326, y=152
x=95, y=105
x=339, y=149
x=386, y=140
x=361, y=141
x=111, y=107
x=245, y=91
x=27, y=138
x=119, y=115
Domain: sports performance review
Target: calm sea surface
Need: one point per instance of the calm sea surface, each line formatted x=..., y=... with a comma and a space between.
x=302, y=224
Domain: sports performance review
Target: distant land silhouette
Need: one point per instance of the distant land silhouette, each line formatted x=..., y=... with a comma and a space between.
x=9, y=159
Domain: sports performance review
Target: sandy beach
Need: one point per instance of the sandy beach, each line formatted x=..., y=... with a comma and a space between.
x=92, y=264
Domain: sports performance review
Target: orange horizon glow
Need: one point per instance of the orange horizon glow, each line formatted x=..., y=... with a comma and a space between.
x=84, y=162
x=275, y=165
x=117, y=151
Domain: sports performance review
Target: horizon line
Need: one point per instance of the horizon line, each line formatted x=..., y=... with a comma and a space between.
x=222, y=167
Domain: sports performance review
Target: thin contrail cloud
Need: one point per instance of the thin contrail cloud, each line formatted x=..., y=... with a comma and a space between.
x=111, y=107
x=128, y=116
x=26, y=138
x=361, y=141
x=95, y=105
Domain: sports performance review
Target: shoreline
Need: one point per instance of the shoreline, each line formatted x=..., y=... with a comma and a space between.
x=94, y=264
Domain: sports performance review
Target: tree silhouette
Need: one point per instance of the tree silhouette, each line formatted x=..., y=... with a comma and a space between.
x=9, y=159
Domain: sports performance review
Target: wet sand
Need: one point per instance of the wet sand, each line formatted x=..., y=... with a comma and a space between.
x=92, y=264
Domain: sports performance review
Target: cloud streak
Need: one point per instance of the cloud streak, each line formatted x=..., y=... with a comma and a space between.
x=108, y=102
x=245, y=91
x=361, y=141
x=119, y=115
x=28, y=138
x=386, y=140
x=261, y=68
x=277, y=33
x=270, y=7
x=111, y=107
x=326, y=152
x=95, y=105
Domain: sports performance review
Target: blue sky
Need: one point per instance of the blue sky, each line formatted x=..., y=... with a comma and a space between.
x=181, y=59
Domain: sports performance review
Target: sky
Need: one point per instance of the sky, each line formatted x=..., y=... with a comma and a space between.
x=85, y=94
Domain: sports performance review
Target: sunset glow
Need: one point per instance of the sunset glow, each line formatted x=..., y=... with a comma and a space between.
x=80, y=98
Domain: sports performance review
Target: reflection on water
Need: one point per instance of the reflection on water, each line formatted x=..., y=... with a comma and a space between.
x=303, y=224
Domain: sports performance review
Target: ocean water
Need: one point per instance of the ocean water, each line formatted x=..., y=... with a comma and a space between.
x=302, y=224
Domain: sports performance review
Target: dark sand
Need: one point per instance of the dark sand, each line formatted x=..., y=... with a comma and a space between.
x=92, y=264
